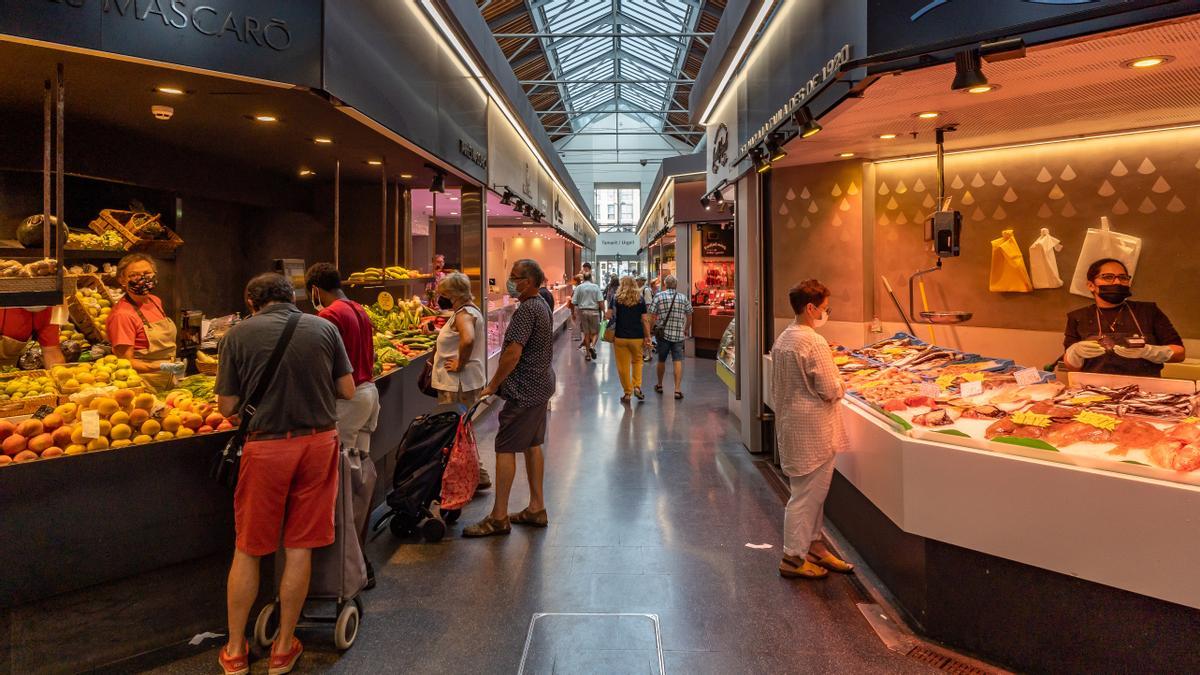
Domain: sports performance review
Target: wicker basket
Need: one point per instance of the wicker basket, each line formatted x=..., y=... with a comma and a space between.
x=25, y=406
x=209, y=369
x=126, y=224
x=79, y=314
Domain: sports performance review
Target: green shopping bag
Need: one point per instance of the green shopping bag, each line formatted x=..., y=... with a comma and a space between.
x=608, y=332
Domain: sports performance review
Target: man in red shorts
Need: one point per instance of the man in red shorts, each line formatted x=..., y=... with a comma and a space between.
x=288, y=479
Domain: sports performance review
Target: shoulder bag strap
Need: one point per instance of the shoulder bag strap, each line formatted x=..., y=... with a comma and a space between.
x=269, y=374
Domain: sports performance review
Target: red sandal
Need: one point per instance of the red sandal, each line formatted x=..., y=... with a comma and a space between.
x=283, y=663
x=234, y=665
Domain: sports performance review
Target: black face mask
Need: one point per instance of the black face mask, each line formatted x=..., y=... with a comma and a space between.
x=1114, y=293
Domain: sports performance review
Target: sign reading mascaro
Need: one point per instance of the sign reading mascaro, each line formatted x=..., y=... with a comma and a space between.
x=277, y=40
x=813, y=85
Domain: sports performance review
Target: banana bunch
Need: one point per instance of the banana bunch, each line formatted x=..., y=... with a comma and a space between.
x=376, y=274
x=366, y=276
x=202, y=357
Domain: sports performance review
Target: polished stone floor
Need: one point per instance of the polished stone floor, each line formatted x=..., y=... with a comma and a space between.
x=651, y=507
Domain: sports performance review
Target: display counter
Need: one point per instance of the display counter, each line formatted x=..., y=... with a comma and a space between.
x=708, y=327
x=500, y=309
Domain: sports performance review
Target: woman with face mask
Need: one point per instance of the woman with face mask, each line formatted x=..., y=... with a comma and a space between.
x=807, y=389
x=138, y=328
x=1117, y=335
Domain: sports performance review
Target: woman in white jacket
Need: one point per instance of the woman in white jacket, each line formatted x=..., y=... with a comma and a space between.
x=807, y=389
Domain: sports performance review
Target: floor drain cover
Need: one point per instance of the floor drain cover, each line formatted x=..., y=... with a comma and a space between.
x=566, y=644
x=945, y=663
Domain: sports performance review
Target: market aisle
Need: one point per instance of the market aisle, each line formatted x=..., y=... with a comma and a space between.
x=651, y=507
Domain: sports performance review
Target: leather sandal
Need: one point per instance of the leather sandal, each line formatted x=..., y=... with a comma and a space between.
x=527, y=517
x=234, y=665
x=284, y=663
x=790, y=568
x=658, y=388
x=488, y=527
x=831, y=562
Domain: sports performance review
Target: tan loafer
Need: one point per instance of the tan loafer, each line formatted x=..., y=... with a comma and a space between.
x=527, y=517
x=792, y=568
x=832, y=563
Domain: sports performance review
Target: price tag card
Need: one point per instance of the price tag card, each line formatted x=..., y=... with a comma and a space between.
x=1027, y=376
x=929, y=389
x=91, y=423
x=969, y=389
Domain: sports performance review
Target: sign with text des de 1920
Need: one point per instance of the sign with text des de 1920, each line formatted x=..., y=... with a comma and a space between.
x=270, y=39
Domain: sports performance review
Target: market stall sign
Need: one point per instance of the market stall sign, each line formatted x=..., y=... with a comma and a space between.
x=477, y=156
x=268, y=39
x=716, y=241
x=810, y=88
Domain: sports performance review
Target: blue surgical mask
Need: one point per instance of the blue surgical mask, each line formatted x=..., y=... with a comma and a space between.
x=512, y=289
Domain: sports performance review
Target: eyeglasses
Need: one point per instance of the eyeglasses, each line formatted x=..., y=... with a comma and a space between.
x=1110, y=278
x=512, y=278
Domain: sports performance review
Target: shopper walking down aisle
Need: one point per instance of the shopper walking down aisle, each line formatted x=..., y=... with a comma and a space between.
x=458, y=363
x=632, y=335
x=588, y=303
x=525, y=381
x=807, y=389
x=288, y=480
x=610, y=291
x=359, y=416
x=671, y=316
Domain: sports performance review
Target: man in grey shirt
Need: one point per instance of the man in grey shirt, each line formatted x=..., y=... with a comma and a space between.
x=287, y=483
x=588, y=302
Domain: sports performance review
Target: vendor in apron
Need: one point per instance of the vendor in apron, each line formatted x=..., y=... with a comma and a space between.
x=19, y=324
x=138, y=328
x=1116, y=335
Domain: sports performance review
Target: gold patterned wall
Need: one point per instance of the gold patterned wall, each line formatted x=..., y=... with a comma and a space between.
x=1147, y=184
x=816, y=227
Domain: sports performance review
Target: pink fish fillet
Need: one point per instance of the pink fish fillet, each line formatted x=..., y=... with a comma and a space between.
x=1134, y=435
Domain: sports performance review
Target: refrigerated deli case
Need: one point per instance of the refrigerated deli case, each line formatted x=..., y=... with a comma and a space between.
x=1039, y=557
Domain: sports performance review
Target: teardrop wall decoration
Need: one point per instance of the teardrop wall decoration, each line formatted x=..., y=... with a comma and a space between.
x=812, y=208
x=968, y=198
x=999, y=213
x=791, y=194
x=837, y=220
x=783, y=209
x=1161, y=186
x=1056, y=192
x=978, y=181
x=1147, y=206
x=883, y=189
x=1010, y=196
x=852, y=190
x=1068, y=210
x=1119, y=169
x=978, y=215
x=884, y=220
x=845, y=205
x=929, y=201
x=1106, y=189
x=1068, y=173
x=806, y=223
x=1176, y=205
x=999, y=180
x=1045, y=211
x=1044, y=176
x=919, y=186
x=791, y=223
x=892, y=204
x=1147, y=167
x=805, y=194
x=837, y=191
x=902, y=219
x=901, y=188
x=957, y=183
x=1120, y=208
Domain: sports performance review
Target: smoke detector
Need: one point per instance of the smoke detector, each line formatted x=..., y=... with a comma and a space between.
x=162, y=112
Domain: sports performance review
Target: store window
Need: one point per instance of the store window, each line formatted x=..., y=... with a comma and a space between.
x=618, y=205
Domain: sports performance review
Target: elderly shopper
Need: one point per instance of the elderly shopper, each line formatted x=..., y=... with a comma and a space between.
x=807, y=388
x=629, y=315
x=461, y=352
x=671, y=316
x=525, y=380
x=587, y=302
x=288, y=479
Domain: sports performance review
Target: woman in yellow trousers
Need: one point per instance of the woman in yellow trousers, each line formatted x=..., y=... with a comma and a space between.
x=632, y=326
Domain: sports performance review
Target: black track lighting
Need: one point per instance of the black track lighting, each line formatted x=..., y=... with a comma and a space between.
x=507, y=199
x=718, y=197
x=439, y=179
x=519, y=206
x=775, y=143
x=705, y=202
x=968, y=70
x=762, y=163
x=807, y=126
x=528, y=211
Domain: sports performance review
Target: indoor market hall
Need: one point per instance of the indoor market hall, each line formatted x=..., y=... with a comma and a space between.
x=561, y=337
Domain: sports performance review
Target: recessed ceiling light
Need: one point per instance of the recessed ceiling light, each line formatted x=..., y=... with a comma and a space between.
x=323, y=140
x=406, y=176
x=845, y=155
x=307, y=172
x=887, y=137
x=1146, y=62
x=928, y=115
x=172, y=91
x=454, y=213
x=375, y=162
x=982, y=89
x=266, y=118
x=454, y=199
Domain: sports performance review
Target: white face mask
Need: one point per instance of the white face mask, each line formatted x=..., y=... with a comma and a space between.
x=316, y=301
x=824, y=318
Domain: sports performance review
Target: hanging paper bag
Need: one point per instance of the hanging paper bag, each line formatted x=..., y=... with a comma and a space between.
x=1008, y=266
x=1043, y=261
x=1104, y=243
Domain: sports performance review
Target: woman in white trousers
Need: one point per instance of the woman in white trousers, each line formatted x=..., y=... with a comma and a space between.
x=807, y=390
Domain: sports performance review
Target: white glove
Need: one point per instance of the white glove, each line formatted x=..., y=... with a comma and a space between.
x=1082, y=351
x=1151, y=353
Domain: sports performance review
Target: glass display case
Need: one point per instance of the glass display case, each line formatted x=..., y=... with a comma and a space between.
x=727, y=351
x=500, y=309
